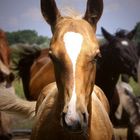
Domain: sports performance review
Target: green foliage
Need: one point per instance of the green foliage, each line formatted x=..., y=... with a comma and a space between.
x=136, y=87
x=25, y=36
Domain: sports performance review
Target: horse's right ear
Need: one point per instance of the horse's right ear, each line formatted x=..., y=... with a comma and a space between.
x=107, y=35
x=50, y=12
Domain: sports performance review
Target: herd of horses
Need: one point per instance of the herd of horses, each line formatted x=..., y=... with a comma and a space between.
x=73, y=88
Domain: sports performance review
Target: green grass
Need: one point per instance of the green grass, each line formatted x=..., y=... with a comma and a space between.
x=19, y=88
x=20, y=123
x=136, y=87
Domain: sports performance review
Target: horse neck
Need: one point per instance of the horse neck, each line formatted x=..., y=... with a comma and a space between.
x=55, y=98
x=59, y=104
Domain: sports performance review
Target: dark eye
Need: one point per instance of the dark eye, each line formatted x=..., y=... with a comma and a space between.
x=52, y=56
x=95, y=59
x=55, y=59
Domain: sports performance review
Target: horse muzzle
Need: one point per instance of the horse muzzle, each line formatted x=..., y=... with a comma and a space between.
x=74, y=125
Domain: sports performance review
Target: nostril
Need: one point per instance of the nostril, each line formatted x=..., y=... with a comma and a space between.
x=84, y=117
x=10, y=136
x=71, y=124
x=63, y=118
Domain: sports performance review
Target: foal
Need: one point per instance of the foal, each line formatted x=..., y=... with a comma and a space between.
x=71, y=109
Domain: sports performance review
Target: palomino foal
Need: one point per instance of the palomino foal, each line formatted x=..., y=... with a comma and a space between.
x=71, y=108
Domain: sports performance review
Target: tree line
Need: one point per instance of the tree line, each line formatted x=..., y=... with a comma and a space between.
x=26, y=37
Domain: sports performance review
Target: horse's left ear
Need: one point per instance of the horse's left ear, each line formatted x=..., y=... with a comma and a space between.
x=109, y=37
x=50, y=12
x=94, y=11
x=131, y=34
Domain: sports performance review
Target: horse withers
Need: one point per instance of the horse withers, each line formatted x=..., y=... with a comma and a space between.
x=71, y=109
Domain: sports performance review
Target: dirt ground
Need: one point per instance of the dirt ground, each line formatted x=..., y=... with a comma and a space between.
x=120, y=134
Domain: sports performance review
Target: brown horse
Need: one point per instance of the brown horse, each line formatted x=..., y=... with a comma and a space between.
x=71, y=109
x=6, y=78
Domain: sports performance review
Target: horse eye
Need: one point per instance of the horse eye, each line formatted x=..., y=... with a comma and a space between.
x=52, y=56
x=55, y=58
x=95, y=59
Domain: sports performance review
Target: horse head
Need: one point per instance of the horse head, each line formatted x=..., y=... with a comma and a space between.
x=73, y=51
x=122, y=51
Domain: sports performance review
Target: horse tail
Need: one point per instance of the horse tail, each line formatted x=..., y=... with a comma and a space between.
x=26, y=56
x=11, y=103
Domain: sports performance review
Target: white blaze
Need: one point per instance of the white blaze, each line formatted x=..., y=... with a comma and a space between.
x=125, y=43
x=73, y=43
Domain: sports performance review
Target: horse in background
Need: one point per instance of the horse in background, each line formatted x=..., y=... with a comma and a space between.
x=6, y=78
x=118, y=56
x=131, y=105
x=123, y=60
x=32, y=62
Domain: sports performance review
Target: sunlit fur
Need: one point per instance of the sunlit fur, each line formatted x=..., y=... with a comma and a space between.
x=50, y=127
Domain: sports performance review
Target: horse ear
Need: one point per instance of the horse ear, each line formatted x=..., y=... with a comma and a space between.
x=131, y=34
x=50, y=12
x=107, y=35
x=93, y=11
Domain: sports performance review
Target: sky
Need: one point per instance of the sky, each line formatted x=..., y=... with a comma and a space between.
x=25, y=14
